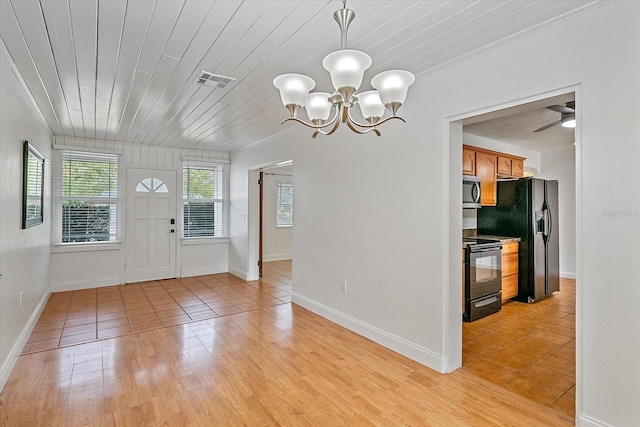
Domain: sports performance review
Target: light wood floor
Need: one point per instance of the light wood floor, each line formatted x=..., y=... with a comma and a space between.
x=276, y=365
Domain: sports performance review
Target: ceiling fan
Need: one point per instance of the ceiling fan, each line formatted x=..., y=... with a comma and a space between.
x=567, y=118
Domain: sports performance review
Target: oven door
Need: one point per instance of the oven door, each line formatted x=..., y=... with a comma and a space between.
x=483, y=281
x=485, y=272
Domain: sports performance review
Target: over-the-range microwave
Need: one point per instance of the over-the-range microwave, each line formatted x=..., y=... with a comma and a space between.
x=470, y=192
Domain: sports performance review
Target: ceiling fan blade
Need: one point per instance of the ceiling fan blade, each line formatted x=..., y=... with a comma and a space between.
x=561, y=109
x=557, y=122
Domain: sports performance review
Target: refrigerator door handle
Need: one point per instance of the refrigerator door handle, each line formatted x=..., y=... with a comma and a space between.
x=547, y=224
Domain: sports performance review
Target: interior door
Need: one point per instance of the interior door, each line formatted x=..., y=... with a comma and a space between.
x=151, y=225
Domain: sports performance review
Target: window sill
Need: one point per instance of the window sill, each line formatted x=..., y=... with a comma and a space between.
x=86, y=247
x=203, y=240
x=284, y=226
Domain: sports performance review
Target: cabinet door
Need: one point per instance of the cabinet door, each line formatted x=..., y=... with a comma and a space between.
x=486, y=168
x=509, y=287
x=517, y=168
x=504, y=166
x=468, y=162
x=509, y=264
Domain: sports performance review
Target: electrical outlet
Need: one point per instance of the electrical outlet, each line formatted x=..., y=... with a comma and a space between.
x=21, y=298
x=343, y=285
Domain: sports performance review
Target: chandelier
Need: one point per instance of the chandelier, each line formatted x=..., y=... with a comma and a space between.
x=346, y=68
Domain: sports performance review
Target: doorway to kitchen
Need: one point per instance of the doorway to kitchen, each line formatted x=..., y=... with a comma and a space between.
x=527, y=348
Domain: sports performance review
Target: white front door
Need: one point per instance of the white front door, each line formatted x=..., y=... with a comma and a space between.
x=151, y=225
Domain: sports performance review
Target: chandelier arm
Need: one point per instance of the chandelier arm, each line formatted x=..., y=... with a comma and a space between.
x=340, y=111
x=375, y=124
x=311, y=125
x=362, y=132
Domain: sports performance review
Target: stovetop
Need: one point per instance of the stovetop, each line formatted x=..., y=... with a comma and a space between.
x=478, y=240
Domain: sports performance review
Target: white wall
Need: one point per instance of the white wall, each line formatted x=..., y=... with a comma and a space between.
x=561, y=165
x=382, y=213
x=80, y=269
x=24, y=254
x=276, y=241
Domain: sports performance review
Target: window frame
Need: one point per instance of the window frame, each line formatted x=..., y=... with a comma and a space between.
x=279, y=203
x=224, y=201
x=116, y=227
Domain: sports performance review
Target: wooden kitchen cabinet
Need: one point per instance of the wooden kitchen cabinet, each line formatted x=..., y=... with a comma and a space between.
x=468, y=161
x=488, y=166
x=504, y=166
x=509, y=270
x=517, y=168
x=486, y=170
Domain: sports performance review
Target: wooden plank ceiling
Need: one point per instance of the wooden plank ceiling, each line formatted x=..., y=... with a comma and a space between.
x=125, y=71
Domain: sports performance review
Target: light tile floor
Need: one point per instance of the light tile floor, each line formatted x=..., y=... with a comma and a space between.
x=87, y=315
x=528, y=349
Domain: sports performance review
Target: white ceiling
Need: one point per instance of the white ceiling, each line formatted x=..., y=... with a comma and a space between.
x=125, y=70
x=516, y=125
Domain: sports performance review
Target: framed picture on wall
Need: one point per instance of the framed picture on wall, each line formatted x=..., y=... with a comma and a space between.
x=32, y=186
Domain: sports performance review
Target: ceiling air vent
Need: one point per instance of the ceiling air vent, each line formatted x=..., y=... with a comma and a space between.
x=213, y=80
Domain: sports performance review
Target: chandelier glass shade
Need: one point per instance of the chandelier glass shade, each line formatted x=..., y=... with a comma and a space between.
x=346, y=68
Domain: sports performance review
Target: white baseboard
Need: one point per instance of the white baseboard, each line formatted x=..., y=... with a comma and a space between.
x=74, y=285
x=201, y=271
x=276, y=257
x=586, y=421
x=400, y=345
x=567, y=275
x=12, y=358
x=239, y=273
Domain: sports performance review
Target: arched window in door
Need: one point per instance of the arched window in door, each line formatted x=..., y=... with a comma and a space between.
x=151, y=185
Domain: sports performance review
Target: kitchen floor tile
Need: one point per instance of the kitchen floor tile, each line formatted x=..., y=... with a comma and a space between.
x=491, y=371
x=567, y=351
x=539, y=385
x=528, y=349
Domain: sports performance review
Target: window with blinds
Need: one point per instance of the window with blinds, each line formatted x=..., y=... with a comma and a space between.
x=86, y=197
x=205, y=200
x=284, y=204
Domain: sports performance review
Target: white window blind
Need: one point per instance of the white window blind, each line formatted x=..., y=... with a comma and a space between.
x=205, y=199
x=86, y=198
x=284, y=204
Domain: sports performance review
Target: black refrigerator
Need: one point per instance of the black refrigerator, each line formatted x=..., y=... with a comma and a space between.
x=528, y=208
